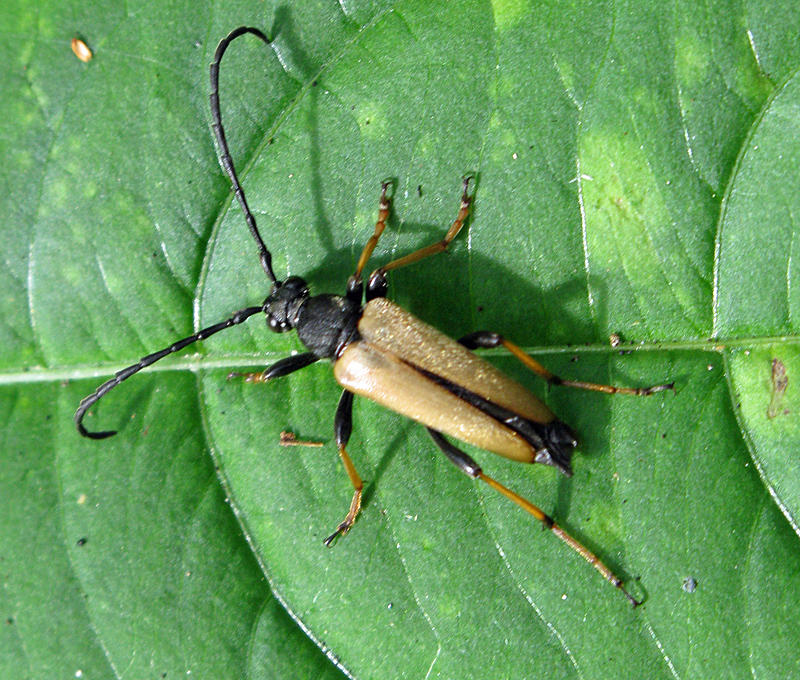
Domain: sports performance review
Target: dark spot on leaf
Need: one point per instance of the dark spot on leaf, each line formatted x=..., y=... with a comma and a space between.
x=780, y=381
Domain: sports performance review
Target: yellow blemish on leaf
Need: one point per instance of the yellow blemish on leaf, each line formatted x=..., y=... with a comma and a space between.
x=509, y=13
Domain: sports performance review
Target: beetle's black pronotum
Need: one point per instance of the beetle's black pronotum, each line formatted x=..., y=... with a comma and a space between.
x=382, y=352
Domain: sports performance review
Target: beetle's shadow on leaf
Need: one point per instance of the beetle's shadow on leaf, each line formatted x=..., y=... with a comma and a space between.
x=286, y=39
x=440, y=290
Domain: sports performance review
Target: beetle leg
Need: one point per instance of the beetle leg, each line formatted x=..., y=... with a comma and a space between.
x=468, y=466
x=486, y=339
x=377, y=287
x=343, y=426
x=355, y=284
x=383, y=214
x=278, y=369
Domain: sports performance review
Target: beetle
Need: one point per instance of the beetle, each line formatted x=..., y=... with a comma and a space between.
x=384, y=353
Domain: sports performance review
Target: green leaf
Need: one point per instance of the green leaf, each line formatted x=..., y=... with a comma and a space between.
x=636, y=171
x=757, y=300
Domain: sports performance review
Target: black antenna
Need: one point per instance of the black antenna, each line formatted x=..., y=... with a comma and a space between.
x=266, y=258
x=144, y=362
x=225, y=155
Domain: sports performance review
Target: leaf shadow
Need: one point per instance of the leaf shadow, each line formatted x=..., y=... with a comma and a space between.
x=285, y=27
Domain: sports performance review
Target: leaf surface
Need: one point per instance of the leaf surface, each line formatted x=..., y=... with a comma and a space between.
x=636, y=175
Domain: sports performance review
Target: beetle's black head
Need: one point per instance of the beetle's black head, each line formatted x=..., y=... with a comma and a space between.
x=284, y=302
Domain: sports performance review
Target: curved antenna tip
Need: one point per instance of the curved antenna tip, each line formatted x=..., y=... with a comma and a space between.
x=105, y=434
x=91, y=435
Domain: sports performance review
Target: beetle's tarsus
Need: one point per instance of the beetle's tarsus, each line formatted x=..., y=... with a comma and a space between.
x=341, y=530
x=630, y=597
x=659, y=388
x=467, y=179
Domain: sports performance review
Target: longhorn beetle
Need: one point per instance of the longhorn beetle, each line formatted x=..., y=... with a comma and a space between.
x=382, y=352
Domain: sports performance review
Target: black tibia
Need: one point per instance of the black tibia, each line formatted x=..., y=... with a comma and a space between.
x=279, y=368
x=482, y=339
x=144, y=362
x=289, y=365
x=343, y=421
x=456, y=456
x=343, y=426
